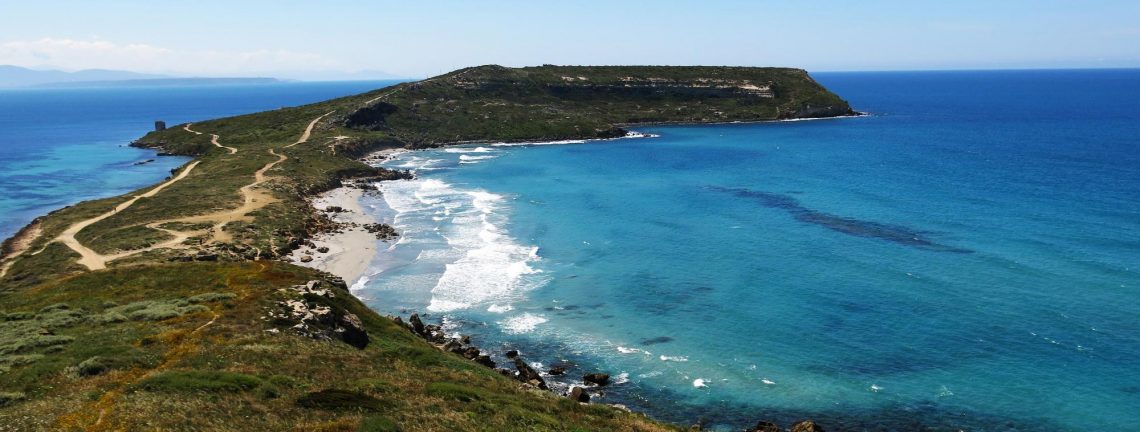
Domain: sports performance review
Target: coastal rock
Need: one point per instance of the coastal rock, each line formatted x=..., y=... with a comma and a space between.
x=765, y=426
x=557, y=370
x=578, y=394
x=417, y=325
x=323, y=249
x=806, y=426
x=512, y=354
x=527, y=374
x=466, y=340
x=352, y=331
x=307, y=258
x=600, y=379
x=471, y=353
x=453, y=346
x=485, y=360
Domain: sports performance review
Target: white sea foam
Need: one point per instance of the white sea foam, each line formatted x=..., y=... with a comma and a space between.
x=674, y=358
x=468, y=150
x=482, y=264
x=524, y=323
x=500, y=308
x=468, y=159
x=700, y=383
x=625, y=350
x=521, y=144
x=621, y=378
x=767, y=381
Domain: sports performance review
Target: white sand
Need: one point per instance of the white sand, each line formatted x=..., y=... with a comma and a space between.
x=351, y=250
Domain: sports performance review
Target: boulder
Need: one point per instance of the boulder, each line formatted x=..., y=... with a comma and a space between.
x=466, y=340
x=352, y=332
x=557, y=370
x=512, y=354
x=806, y=426
x=453, y=346
x=579, y=394
x=597, y=378
x=323, y=249
x=471, y=353
x=417, y=325
x=527, y=374
x=765, y=426
x=307, y=258
x=485, y=360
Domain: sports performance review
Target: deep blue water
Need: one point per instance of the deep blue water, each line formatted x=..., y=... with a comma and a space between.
x=966, y=257
x=62, y=146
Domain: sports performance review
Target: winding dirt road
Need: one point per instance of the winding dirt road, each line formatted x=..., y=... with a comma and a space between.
x=94, y=260
x=253, y=199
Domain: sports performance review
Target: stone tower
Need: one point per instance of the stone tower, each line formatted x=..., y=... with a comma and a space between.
x=159, y=125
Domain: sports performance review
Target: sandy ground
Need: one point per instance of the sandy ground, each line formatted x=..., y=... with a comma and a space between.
x=351, y=250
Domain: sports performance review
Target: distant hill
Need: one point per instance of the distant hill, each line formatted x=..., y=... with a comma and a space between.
x=574, y=102
x=15, y=76
x=161, y=82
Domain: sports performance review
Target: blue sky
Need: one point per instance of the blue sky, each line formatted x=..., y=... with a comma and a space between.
x=334, y=39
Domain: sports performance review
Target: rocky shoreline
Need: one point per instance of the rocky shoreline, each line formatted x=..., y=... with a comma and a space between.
x=592, y=383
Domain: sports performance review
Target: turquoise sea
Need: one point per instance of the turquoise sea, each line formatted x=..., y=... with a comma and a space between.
x=62, y=146
x=966, y=257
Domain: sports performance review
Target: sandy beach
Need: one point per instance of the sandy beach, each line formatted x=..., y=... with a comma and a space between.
x=351, y=249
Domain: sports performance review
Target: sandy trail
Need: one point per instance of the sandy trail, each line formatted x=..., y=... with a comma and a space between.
x=213, y=139
x=94, y=260
x=309, y=130
x=253, y=199
x=20, y=245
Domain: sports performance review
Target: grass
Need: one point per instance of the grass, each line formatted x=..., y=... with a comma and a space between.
x=196, y=371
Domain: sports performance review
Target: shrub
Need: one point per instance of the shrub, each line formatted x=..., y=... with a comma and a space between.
x=201, y=381
x=340, y=400
x=454, y=391
x=211, y=297
x=378, y=423
x=94, y=366
x=8, y=398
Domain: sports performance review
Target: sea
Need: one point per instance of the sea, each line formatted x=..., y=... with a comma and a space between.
x=60, y=146
x=964, y=257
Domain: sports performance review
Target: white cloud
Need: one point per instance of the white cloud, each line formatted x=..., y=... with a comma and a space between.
x=72, y=54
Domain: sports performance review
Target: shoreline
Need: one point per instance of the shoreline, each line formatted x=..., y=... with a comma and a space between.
x=350, y=248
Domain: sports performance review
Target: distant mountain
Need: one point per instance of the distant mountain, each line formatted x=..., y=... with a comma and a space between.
x=161, y=82
x=15, y=76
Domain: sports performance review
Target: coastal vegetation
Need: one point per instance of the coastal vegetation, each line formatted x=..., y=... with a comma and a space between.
x=173, y=308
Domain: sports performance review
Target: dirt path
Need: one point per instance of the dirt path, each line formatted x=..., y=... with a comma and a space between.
x=213, y=139
x=309, y=130
x=20, y=244
x=94, y=260
x=253, y=198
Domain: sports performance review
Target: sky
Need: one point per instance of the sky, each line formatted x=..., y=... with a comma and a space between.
x=335, y=39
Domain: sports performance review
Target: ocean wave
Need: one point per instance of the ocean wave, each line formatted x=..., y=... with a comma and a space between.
x=500, y=308
x=700, y=383
x=468, y=150
x=674, y=358
x=529, y=144
x=625, y=350
x=524, y=323
x=486, y=264
x=468, y=159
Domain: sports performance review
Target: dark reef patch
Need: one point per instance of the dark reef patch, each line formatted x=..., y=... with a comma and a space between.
x=850, y=226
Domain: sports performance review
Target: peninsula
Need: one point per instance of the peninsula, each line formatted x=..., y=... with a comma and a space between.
x=183, y=305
